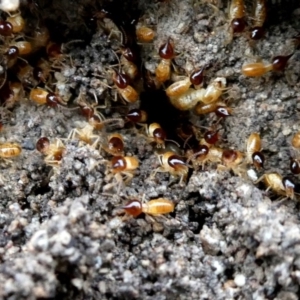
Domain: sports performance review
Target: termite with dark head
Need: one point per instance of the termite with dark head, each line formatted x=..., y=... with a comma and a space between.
x=253, y=149
x=54, y=152
x=173, y=164
x=236, y=17
x=126, y=91
x=178, y=88
x=166, y=53
x=122, y=169
x=278, y=64
x=260, y=14
x=153, y=207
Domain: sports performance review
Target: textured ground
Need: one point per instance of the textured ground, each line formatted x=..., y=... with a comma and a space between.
x=62, y=238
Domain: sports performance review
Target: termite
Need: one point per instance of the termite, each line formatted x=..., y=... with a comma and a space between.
x=253, y=149
x=163, y=70
x=260, y=14
x=153, y=207
x=259, y=69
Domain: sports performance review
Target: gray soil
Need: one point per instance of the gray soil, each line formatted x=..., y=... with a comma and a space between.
x=61, y=234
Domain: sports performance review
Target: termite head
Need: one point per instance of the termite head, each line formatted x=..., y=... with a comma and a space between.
x=294, y=166
x=157, y=133
x=121, y=80
x=42, y=145
x=166, y=50
x=211, y=137
x=258, y=160
x=257, y=33
x=238, y=25
x=197, y=76
x=289, y=187
x=124, y=163
x=129, y=54
x=137, y=116
x=6, y=28
x=201, y=152
x=133, y=207
x=231, y=157
x=115, y=144
x=279, y=62
x=223, y=111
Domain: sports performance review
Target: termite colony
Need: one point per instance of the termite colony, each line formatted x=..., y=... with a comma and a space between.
x=33, y=63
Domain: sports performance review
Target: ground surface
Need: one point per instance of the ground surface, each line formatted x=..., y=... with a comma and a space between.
x=62, y=237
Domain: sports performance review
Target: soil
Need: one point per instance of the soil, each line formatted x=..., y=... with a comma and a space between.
x=63, y=234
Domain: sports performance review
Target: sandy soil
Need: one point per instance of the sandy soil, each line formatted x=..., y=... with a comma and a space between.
x=62, y=236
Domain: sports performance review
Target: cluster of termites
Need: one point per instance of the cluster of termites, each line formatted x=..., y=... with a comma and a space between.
x=194, y=147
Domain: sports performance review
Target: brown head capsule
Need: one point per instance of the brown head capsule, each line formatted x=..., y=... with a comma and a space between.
x=42, y=145
x=115, y=144
x=156, y=133
x=257, y=33
x=133, y=207
x=137, y=116
x=197, y=77
x=232, y=158
x=295, y=166
x=238, y=25
x=8, y=150
x=121, y=80
x=6, y=28
x=52, y=99
x=279, y=62
x=211, y=137
x=53, y=50
x=166, y=51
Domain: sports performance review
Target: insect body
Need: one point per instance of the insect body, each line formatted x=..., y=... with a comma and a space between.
x=173, y=164
x=237, y=16
x=8, y=150
x=53, y=151
x=254, y=155
x=191, y=97
x=260, y=14
x=163, y=70
x=128, y=93
x=259, y=69
x=145, y=34
x=275, y=182
x=180, y=87
x=153, y=207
